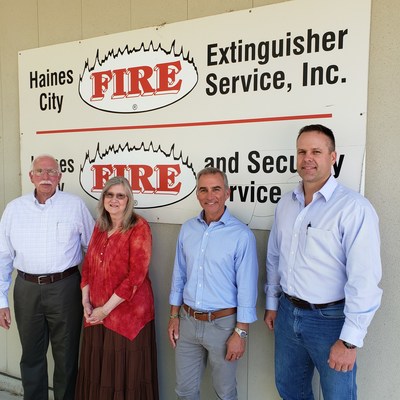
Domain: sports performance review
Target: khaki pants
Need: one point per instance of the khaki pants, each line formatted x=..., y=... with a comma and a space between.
x=198, y=342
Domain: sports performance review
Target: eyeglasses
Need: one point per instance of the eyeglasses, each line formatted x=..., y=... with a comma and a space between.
x=118, y=196
x=48, y=171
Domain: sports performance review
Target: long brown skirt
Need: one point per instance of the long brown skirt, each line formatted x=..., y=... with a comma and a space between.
x=114, y=368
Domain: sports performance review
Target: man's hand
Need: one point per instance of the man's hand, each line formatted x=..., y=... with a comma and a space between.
x=269, y=318
x=235, y=345
x=173, y=331
x=5, y=318
x=341, y=358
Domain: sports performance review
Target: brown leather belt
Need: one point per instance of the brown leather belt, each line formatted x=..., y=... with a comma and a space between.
x=44, y=279
x=308, y=306
x=210, y=315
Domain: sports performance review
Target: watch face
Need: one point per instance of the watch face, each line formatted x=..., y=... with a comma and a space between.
x=242, y=333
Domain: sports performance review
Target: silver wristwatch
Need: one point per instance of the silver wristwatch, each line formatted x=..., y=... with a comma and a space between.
x=241, y=332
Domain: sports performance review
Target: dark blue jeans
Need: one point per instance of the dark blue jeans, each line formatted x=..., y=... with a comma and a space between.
x=303, y=339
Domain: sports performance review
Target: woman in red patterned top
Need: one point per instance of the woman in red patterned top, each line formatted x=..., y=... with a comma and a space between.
x=118, y=355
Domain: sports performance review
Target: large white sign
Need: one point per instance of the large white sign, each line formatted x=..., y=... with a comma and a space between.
x=158, y=104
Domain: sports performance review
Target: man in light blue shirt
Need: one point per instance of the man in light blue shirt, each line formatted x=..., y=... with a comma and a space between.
x=323, y=271
x=213, y=293
x=43, y=235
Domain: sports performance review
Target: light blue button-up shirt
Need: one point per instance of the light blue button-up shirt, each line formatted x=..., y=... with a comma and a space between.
x=216, y=267
x=325, y=252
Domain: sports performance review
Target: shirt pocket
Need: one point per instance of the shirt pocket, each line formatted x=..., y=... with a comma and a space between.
x=65, y=231
x=320, y=244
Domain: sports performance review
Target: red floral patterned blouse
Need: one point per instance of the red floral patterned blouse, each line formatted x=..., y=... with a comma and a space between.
x=120, y=264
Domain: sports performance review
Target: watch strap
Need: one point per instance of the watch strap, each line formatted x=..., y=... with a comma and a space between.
x=349, y=345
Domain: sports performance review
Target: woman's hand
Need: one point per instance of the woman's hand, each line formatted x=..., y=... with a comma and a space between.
x=87, y=309
x=97, y=315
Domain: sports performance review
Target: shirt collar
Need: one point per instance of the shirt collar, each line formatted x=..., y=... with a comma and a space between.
x=326, y=191
x=48, y=201
x=224, y=219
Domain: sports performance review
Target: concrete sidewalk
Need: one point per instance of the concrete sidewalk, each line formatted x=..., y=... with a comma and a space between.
x=8, y=396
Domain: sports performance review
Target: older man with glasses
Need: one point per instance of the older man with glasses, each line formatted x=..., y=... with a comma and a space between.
x=42, y=235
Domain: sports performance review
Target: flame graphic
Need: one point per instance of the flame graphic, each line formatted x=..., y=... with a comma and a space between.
x=113, y=54
x=143, y=155
x=124, y=58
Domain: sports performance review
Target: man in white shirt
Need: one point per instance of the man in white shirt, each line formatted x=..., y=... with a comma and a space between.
x=323, y=270
x=42, y=235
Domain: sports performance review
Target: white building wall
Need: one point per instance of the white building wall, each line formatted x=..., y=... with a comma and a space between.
x=36, y=23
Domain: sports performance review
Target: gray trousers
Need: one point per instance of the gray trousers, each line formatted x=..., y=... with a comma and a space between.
x=46, y=313
x=198, y=343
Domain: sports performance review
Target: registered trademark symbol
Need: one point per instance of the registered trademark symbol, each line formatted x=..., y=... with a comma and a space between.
x=135, y=203
x=134, y=107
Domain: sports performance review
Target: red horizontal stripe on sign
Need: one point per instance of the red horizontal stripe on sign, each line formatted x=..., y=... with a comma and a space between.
x=186, y=124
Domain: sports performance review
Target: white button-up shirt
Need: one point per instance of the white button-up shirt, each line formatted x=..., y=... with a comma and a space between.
x=327, y=251
x=42, y=238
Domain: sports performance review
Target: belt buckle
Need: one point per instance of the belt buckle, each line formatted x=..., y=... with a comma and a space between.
x=196, y=312
x=209, y=314
x=39, y=279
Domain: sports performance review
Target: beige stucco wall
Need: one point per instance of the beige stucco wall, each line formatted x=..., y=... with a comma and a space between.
x=26, y=24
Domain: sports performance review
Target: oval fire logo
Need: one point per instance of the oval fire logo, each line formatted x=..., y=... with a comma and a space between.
x=157, y=178
x=137, y=80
